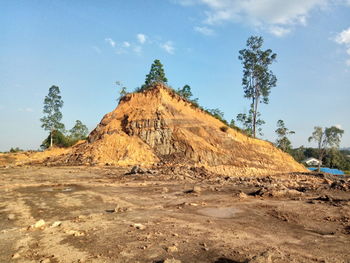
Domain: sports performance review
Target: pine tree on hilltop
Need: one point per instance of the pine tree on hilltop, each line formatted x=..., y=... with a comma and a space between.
x=156, y=75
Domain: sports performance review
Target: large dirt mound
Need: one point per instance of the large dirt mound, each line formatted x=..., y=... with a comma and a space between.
x=158, y=126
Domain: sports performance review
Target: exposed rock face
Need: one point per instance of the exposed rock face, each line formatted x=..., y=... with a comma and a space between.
x=159, y=126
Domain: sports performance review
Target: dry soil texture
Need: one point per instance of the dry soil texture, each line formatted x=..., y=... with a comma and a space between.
x=87, y=214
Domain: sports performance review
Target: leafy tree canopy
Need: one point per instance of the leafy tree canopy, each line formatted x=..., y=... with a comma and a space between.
x=79, y=131
x=156, y=75
x=257, y=79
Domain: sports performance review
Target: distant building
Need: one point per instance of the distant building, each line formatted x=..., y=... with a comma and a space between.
x=312, y=161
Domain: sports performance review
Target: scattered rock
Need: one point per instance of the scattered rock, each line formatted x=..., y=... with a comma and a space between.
x=196, y=189
x=172, y=249
x=16, y=256
x=75, y=233
x=56, y=224
x=171, y=261
x=139, y=226
x=265, y=257
x=11, y=217
x=241, y=195
x=39, y=224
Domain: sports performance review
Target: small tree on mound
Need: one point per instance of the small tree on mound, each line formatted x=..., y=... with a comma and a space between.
x=282, y=141
x=156, y=75
x=56, y=138
x=79, y=131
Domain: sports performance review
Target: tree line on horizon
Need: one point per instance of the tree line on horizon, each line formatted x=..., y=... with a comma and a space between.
x=257, y=82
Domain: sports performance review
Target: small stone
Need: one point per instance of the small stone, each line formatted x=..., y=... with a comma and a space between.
x=139, y=226
x=196, y=189
x=56, y=224
x=11, y=216
x=39, y=224
x=134, y=169
x=172, y=260
x=172, y=249
x=16, y=255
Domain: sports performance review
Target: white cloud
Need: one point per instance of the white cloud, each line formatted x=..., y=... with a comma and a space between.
x=168, y=47
x=110, y=41
x=279, y=31
x=204, y=30
x=126, y=44
x=275, y=16
x=343, y=38
x=338, y=126
x=141, y=38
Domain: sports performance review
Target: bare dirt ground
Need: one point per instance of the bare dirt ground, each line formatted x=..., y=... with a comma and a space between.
x=90, y=214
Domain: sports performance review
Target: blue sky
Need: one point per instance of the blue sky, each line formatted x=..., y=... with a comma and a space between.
x=85, y=46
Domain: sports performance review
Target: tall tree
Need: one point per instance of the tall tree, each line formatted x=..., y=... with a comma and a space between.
x=257, y=79
x=51, y=121
x=282, y=141
x=79, y=131
x=156, y=75
x=326, y=138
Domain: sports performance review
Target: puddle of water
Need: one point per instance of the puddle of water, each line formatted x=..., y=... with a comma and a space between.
x=219, y=212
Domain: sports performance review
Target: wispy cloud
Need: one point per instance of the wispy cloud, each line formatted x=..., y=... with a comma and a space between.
x=275, y=16
x=126, y=44
x=141, y=38
x=343, y=38
x=168, y=47
x=110, y=41
x=204, y=30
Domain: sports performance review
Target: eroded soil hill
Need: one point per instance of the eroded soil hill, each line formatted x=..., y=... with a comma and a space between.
x=158, y=126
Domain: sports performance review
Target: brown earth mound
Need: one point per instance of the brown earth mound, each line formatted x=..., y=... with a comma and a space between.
x=158, y=126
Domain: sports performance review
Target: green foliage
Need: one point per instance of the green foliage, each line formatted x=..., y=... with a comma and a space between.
x=58, y=140
x=78, y=132
x=122, y=90
x=257, y=79
x=51, y=121
x=156, y=75
x=282, y=141
x=326, y=138
x=218, y=114
x=15, y=150
x=52, y=115
x=246, y=121
x=332, y=159
x=185, y=92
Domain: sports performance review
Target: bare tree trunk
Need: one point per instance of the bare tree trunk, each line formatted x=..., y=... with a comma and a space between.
x=255, y=113
x=254, y=119
x=51, y=138
x=320, y=160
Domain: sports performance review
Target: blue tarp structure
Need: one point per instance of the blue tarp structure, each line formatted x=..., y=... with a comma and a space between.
x=328, y=170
